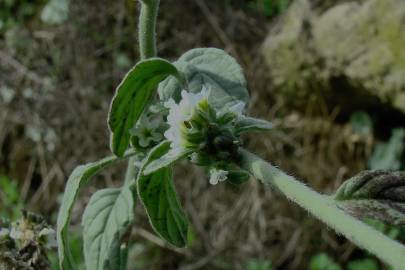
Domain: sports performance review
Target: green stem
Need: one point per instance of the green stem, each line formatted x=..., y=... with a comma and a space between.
x=131, y=170
x=147, y=49
x=326, y=209
x=147, y=28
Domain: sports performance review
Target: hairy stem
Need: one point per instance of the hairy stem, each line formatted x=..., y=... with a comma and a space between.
x=147, y=49
x=147, y=28
x=326, y=209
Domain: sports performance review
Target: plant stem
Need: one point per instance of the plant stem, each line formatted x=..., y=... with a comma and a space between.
x=147, y=28
x=131, y=170
x=326, y=209
x=147, y=49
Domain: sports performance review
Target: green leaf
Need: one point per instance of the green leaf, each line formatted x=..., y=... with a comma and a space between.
x=364, y=264
x=106, y=220
x=323, y=262
x=160, y=157
x=246, y=124
x=391, y=231
x=259, y=265
x=387, y=156
x=374, y=194
x=77, y=179
x=212, y=68
x=132, y=96
x=159, y=197
x=164, y=161
x=155, y=158
x=361, y=123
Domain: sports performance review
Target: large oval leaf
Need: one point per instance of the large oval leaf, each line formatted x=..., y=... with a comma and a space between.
x=106, y=220
x=132, y=96
x=159, y=197
x=76, y=180
x=212, y=68
x=375, y=194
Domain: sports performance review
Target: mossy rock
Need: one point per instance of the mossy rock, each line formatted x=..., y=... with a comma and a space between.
x=353, y=48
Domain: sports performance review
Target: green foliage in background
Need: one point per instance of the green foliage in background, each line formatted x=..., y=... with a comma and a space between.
x=323, y=262
x=389, y=155
x=17, y=12
x=10, y=201
x=361, y=123
x=259, y=265
x=269, y=8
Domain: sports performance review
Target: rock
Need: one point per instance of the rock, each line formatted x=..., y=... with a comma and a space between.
x=353, y=53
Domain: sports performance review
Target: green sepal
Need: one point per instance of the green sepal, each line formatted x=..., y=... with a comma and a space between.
x=248, y=124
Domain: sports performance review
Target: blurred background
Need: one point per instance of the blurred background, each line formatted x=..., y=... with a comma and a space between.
x=329, y=74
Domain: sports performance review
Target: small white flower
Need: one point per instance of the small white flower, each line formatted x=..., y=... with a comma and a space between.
x=194, y=157
x=217, y=176
x=16, y=234
x=178, y=114
x=4, y=232
x=49, y=235
x=146, y=130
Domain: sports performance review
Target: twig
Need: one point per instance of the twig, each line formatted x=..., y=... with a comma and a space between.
x=215, y=25
x=21, y=69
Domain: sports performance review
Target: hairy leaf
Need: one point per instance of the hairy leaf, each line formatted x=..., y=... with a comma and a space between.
x=159, y=197
x=246, y=124
x=164, y=161
x=375, y=194
x=132, y=96
x=363, y=264
x=106, y=220
x=76, y=180
x=212, y=68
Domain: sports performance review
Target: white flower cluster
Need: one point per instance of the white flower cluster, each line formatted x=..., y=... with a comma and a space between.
x=178, y=114
x=183, y=112
x=217, y=176
x=146, y=130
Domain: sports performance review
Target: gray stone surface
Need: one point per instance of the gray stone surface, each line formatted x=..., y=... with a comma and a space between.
x=361, y=43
